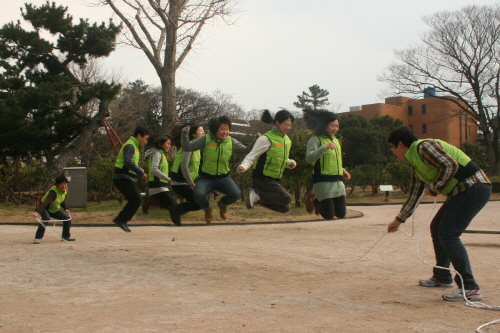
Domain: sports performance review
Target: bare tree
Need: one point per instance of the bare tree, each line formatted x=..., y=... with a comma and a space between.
x=460, y=59
x=165, y=30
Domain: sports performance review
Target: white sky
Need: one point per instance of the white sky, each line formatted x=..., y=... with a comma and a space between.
x=279, y=48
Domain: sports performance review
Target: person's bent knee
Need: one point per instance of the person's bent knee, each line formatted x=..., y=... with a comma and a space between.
x=328, y=216
x=341, y=216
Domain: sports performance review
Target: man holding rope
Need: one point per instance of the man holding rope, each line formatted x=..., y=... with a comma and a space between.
x=54, y=205
x=438, y=167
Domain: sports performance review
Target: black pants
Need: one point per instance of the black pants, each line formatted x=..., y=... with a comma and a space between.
x=59, y=215
x=447, y=226
x=186, y=192
x=132, y=194
x=166, y=200
x=272, y=195
x=331, y=207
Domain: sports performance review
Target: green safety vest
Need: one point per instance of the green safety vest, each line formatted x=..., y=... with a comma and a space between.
x=216, y=156
x=154, y=181
x=329, y=166
x=60, y=197
x=193, y=166
x=428, y=173
x=273, y=162
x=120, y=162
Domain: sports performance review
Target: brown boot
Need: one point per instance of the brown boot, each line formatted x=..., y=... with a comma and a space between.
x=208, y=215
x=146, y=202
x=310, y=197
x=222, y=211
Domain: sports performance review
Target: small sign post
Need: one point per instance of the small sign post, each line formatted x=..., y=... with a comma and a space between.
x=386, y=189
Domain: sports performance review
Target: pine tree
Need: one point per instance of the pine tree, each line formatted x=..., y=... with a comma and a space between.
x=43, y=103
x=315, y=99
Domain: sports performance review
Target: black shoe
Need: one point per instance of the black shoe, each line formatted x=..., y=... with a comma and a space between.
x=122, y=225
x=68, y=239
x=175, y=215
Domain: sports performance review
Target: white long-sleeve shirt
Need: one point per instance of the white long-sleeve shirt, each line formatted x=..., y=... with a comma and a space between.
x=261, y=146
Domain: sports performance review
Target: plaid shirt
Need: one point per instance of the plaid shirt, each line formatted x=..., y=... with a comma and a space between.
x=432, y=153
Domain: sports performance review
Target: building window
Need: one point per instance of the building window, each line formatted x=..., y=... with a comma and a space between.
x=424, y=128
x=410, y=110
x=424, y=108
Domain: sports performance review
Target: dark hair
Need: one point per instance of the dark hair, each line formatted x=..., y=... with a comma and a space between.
x=61, y=179
x=215, y=123
x=280, y=116
x=403, y=134
x=177, y=130
x=140, y=130
x=157, y=140
x=318, y=120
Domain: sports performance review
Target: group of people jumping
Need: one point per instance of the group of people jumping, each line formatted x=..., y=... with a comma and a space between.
x=202, y=166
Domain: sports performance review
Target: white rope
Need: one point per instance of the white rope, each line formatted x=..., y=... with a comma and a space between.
x=287, y=253
x=40, y=221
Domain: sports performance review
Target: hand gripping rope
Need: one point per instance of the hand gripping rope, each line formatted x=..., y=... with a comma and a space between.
x=39, y=219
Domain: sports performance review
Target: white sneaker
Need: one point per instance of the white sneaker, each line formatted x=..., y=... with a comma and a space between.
x=252, y=198
x=432, y=282
x=36, y=241
x=457, y=295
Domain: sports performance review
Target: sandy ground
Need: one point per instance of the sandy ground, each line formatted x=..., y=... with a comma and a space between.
x=282, y=277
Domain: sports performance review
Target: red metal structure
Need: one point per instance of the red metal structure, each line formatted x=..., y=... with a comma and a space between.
x=112, y=135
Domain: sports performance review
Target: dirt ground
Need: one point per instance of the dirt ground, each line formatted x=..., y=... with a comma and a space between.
x=241, y=277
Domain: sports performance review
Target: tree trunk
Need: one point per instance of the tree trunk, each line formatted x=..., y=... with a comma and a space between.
x=169, y=105
x=298, y=190
x=494, y=165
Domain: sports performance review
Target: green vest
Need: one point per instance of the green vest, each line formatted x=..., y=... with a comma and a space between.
x=329, y=166
x=154, y=181
x=60, y=197
x=120, y=162
x=193, y=166
x=428, y=173
x=273, y=162
x=216, y=156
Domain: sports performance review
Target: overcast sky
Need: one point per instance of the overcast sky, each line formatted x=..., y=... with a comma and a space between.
x=279, y=48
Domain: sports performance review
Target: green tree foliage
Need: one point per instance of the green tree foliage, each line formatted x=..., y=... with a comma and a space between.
x=314, y=99
x=477, y=152
x=385, y=125
x=399, y=175
x=100, y=184
x=365, y=141
x=361, y=141
x=300, y=178
x=41, y=99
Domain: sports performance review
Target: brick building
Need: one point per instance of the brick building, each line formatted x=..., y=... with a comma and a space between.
x=429, y=117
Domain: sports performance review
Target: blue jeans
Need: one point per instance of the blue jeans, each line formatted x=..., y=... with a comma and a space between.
x=224, y=185
x=59, y=215
x=450, y=222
